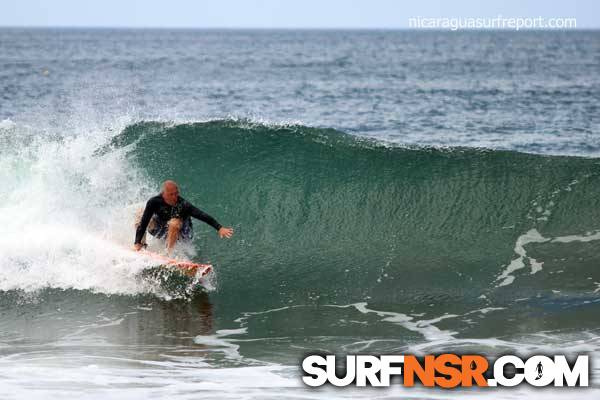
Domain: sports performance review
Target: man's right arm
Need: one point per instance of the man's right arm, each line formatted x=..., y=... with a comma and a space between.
x=141, y=229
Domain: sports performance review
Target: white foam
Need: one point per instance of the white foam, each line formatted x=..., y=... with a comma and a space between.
x=487, y=310
x=587, y=237
x=423, y=327
x=7, y=124
x=67, y=212
x=229, y=332
x=533, y=236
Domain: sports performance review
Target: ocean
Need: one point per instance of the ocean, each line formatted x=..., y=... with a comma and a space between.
x=391, y=192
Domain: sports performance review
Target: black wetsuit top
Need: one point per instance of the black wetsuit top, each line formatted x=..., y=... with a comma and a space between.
x=182, y=209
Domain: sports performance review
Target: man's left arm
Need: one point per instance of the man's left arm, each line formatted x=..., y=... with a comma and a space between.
x=202, y=216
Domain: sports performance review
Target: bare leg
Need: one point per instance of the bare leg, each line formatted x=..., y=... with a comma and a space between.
x=174, y=226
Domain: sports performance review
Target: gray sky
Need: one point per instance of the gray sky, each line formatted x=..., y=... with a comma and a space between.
x=279, y=13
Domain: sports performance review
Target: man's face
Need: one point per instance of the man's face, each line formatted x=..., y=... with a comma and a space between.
x=170, y=195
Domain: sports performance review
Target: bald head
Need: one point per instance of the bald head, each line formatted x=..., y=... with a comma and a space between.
x=169, y=185
x=170, y=192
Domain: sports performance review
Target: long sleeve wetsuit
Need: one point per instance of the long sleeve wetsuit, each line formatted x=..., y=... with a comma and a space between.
x=163, y=212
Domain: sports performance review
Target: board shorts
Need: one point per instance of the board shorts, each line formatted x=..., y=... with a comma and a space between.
x=159, y=228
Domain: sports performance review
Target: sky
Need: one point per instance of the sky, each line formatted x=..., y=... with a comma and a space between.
x=279, y=13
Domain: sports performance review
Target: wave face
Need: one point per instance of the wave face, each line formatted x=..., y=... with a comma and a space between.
x=321, y=214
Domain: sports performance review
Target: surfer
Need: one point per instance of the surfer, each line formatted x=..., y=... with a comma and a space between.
x=539, y=370
x=169, y=215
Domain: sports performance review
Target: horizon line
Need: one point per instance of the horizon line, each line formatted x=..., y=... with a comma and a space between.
x=366, y=28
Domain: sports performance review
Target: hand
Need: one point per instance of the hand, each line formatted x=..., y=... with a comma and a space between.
x=225, y=232
x=137, y=246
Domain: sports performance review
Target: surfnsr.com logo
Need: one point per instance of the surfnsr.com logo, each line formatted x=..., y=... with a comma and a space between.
x=446, y=370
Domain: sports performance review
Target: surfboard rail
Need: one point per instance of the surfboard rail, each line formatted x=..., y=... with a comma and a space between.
x=188, y=268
